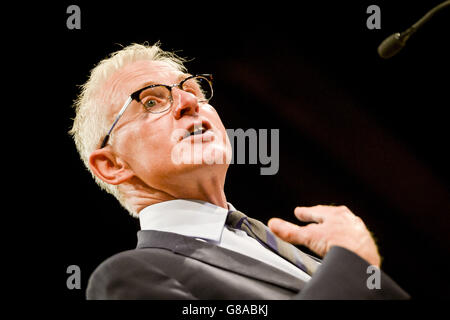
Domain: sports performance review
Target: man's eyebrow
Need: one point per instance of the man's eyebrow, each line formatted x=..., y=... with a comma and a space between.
x=180, y=78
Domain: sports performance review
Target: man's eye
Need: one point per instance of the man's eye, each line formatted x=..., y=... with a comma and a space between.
x=149, y=103
x=192, y=90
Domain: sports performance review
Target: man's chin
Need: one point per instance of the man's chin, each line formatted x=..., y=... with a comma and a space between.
x=200, y=154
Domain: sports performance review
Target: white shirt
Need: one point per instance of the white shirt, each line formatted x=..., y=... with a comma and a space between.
x=206, y=222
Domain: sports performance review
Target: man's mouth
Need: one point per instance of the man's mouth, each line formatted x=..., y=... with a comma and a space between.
x=197, y=129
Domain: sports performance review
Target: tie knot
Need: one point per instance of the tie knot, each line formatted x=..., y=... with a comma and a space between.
x=257, y=230
x=235, y=219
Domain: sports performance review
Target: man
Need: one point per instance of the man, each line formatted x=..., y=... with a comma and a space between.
x=146, y=131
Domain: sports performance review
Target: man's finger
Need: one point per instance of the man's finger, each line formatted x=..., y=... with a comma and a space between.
x=290, y=232
x=311, y=214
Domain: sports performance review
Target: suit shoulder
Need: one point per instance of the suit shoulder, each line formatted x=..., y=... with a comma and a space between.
x=131, y=259
x=123, y=274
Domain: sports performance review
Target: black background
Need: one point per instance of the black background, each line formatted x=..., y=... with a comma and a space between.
x=354, y=129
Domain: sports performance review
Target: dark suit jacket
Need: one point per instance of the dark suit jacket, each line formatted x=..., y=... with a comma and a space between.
x=171, y=266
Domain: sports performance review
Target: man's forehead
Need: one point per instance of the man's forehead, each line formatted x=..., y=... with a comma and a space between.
x=144, y=72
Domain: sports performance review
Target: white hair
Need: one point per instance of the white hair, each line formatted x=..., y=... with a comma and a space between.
x=91, y=123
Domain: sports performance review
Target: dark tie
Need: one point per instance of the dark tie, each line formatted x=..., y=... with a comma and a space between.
x=257, y=230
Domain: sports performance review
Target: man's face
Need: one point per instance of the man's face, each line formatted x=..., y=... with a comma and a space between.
x=158, y=147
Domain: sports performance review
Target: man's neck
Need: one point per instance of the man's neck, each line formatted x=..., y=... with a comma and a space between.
x=140, y=195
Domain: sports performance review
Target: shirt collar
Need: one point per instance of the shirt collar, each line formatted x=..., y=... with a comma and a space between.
x=192, y=218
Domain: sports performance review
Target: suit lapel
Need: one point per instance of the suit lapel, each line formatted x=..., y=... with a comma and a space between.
x=218, y=257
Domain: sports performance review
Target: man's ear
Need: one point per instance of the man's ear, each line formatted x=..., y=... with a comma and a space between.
x=108, y=167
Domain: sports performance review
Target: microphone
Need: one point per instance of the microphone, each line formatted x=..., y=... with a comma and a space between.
x=395, y=42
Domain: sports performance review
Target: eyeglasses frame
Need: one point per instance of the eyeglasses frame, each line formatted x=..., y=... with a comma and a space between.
x=135, y=96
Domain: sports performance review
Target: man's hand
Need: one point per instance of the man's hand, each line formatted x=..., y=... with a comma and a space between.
x=334, y=226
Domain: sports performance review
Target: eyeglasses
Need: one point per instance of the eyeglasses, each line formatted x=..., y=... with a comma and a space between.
x=157, y=98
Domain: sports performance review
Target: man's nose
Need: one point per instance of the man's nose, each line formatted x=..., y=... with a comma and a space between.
x=184, y=103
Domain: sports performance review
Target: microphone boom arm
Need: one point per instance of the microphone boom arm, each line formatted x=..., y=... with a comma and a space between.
x=395, y=42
